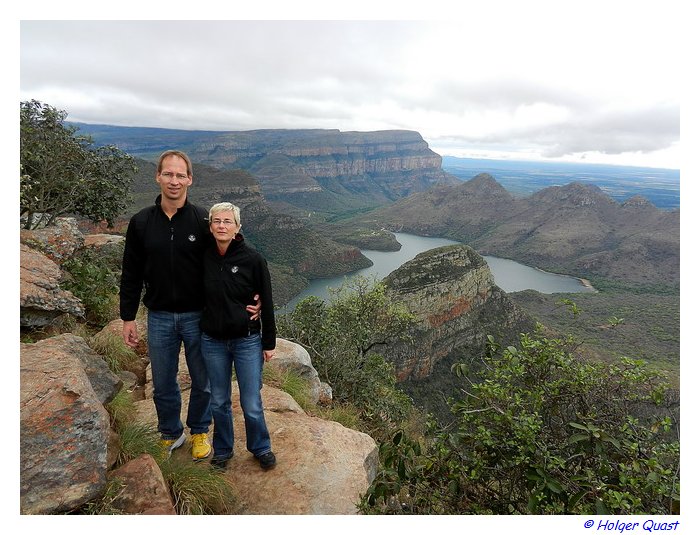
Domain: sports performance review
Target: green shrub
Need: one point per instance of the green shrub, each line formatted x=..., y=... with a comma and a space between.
x=540, y=432
x=343, y=336
x=95, y=284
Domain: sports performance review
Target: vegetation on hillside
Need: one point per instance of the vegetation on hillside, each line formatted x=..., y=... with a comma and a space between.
x=539, y=431
x=648, y=325
x=536, y=429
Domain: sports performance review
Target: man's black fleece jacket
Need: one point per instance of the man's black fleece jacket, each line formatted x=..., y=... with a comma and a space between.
x=166, y=257
x=230, y=282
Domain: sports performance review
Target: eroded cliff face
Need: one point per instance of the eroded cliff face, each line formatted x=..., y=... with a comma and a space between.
x=451, y=292
x=388, y=164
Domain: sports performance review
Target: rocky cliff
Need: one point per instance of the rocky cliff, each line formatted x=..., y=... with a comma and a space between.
x=451, y=292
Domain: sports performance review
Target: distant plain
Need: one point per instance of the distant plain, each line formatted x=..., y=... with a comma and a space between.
x=661, y=187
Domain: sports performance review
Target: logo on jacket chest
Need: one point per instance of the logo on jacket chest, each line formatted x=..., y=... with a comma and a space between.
x=192, y=237
x=234, y=269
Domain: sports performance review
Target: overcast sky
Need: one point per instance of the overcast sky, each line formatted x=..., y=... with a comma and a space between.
x=594, y=86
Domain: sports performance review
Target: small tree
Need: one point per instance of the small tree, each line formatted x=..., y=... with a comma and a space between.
x=62, y=173
x=343, y=337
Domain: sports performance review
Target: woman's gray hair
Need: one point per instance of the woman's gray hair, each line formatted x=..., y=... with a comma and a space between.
x=225, y=207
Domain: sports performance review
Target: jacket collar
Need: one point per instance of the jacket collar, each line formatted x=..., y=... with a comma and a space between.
x=160, y=198
x=237, y=242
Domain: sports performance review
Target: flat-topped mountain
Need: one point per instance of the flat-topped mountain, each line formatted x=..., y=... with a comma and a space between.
x=575, y=229
x=326, y=171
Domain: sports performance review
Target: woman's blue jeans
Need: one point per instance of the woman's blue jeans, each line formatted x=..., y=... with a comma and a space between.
x=166, y=332
x=246, y=356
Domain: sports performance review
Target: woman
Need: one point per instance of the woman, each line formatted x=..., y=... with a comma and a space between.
x=233, y=274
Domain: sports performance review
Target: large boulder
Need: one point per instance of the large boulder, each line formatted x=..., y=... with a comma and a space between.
x=322, y=467
x=64, y=428
x=143, y=490
x=41, y=299
x=291, y=357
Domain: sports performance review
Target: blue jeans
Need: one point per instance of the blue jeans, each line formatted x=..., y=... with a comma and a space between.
x=166, y=332
x=245, y=355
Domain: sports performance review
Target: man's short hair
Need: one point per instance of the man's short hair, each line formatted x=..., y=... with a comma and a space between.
x=174, y=153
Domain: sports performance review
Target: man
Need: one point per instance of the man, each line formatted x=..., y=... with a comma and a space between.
x=164, y=249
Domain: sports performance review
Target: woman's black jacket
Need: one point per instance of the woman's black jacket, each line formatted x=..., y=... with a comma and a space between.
x=230, y=283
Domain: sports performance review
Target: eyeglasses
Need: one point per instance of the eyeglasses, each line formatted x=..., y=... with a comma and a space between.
x=169, y=176
x=225, y=222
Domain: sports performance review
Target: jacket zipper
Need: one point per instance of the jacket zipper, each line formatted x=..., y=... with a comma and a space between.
x=172, y=264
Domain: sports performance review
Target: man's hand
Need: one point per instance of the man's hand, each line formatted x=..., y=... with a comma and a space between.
x=268, y=354
x=130, y=334
x=254, y=310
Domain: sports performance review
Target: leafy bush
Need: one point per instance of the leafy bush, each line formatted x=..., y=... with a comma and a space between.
x=539, y=431
x=341, y=336
x=95, y=284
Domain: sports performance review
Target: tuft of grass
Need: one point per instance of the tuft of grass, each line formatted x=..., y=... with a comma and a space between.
x=104, y=505
x=122, y=408
x=296, y=386
x=197, y=489
x=345, y=414
x=112, y=348
x=136, y=438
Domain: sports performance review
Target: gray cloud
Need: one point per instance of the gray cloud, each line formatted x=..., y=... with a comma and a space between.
x=452, y=87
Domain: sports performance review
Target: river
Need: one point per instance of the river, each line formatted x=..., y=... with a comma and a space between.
x=511, y=276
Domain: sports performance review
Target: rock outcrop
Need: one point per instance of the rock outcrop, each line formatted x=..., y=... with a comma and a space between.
x=291, y=357
x=451, y=292
x=58, y=241
x=41, y=298
x=143, y=490
x=322, y=467
x=65, y=429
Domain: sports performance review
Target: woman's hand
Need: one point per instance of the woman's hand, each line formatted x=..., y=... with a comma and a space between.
x=268, y=354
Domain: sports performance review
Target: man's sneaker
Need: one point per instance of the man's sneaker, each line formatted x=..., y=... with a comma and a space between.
x=219, y=463
x=267, y=460
x=201, y=449
x=171, y=444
